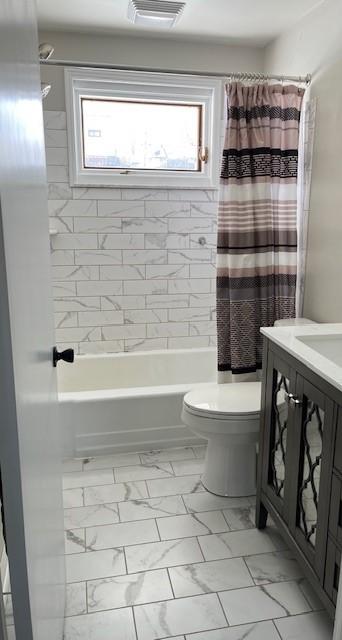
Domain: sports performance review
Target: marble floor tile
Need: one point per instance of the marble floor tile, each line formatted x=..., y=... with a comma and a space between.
x=310, y=595
x=74, y=541
x=187, y=467
x=123, y=591
x=200, y=450
x=311, y=626
x=107, y=462
x=206, y=577
x=163, y=554
x=115, y=492
x=192, y=524
x=73, y=498
x=87, y=478
x=118, y=535
x=167, y=455
x=90, y=516
x=175, y=486
x=254, y=604
x=143, y=472
x=182, y=616
x=240, y=518
x=151, y=508
x=256, y=631
x=100, y=626
x=273, y=567
x=209, y=502
x=239, y=543
x=76, y=599
x=94, y=565
x=72, y=465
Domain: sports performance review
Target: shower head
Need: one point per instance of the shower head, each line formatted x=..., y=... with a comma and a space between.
x=45, y=89
x=45, y=51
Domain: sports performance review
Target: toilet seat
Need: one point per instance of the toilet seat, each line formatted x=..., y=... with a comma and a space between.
x=231, y=401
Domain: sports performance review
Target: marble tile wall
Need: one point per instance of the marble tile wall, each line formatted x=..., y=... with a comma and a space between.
x=129, y=267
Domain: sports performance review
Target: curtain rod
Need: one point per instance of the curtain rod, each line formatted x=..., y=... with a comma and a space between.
x=236, y=76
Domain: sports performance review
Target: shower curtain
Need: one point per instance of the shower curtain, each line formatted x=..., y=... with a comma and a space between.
x=257, y=221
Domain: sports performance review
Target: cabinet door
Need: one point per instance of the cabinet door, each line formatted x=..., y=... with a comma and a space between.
x=276, y=482
x=313, y=436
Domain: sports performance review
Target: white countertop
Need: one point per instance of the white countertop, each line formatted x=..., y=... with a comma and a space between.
x=287, y=338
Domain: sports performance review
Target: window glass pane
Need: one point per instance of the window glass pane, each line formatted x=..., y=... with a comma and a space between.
x=141, y=135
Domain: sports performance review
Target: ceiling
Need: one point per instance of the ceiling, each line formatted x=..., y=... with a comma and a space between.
x=221, y=21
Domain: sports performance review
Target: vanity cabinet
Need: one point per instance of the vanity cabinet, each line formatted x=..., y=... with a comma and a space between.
x=300, y=466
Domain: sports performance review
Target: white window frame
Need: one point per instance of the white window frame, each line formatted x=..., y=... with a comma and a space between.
x=83, y=83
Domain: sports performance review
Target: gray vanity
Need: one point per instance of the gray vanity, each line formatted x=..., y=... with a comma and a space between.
x=300, y=451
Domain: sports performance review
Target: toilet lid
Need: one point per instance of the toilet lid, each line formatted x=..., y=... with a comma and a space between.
x=231, y=399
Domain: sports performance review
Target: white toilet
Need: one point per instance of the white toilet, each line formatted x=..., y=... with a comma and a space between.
x=228, y=415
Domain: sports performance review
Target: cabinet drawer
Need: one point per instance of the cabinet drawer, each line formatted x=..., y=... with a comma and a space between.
x=332, y=571
x=335, y=511
x=338, y=443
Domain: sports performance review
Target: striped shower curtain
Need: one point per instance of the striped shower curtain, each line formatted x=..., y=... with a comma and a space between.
x=257, y=235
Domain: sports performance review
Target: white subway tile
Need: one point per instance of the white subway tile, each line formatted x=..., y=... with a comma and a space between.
x=96, y=193
x=59, y=191
x=189, y=286
x=143, y=315
x=193, y=195
x=122, y=272
x=167, y=301
x=124, y=331
x=202, y=300
x=146, y=256
x=98, y=318
x=143, y=287
x=202, y=271
x=168, y=330
x=210, y=240
x=144, y=194
x=206, y=328
x=190, y=225
x=74, y=240
x=189, y=255
x=167, y=271
x=144, y=225
x=94, y=225
x=77, y=304
x=121, y=241
x=98, y=257
x=56, y=156
x=72, y=208
x=75, y=272
x=192, y=342
x=121, y=209
x=122, y=302
x=99, y=288
x=61, y=225
x=151, y=344
x=167, y=241
x=167, y=209
x=62, y=257
x=65, y=319
x=56, y=138
x=63, y=289
x=186, y=315
x=106, y=346
x=54, y=119
x=80, y=334
x=57, y=173
x=204, y=209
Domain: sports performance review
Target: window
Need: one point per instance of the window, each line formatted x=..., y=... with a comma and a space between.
x=142, y=129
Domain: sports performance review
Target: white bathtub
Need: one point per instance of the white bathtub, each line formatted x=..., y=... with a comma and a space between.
x=129, y=401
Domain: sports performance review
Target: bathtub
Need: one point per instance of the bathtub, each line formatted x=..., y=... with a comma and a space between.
x=129, y=401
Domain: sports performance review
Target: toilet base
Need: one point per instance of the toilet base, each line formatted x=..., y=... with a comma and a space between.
x=230, y=470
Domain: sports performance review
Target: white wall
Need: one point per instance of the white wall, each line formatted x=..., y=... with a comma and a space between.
x=129, y=271
x=315, y=46
x=139, y=51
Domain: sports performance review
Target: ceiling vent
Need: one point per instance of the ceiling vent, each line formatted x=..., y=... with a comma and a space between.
x=158, y=13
